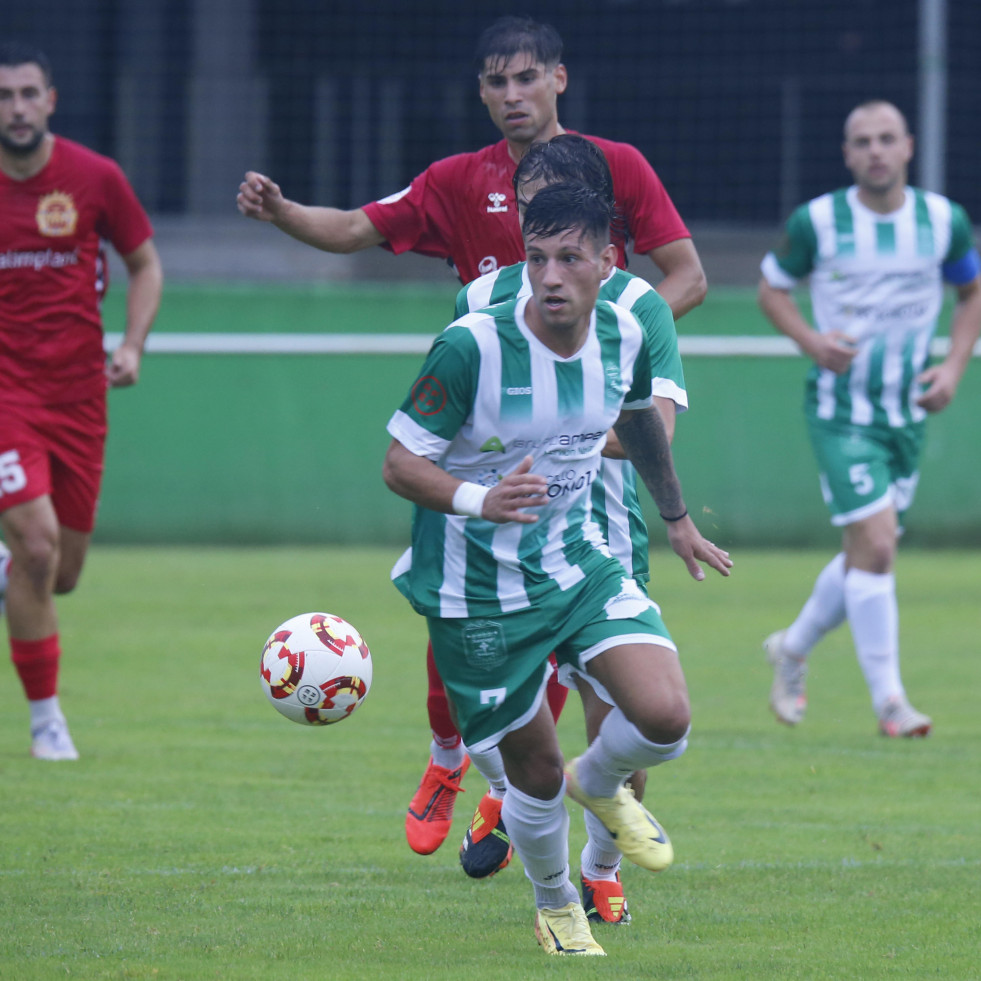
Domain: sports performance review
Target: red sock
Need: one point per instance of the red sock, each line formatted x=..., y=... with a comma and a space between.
x=444, y=732
x=555, y=692
x=36, y=662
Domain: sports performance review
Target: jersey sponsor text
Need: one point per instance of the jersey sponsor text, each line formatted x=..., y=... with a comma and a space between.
x=38, y=260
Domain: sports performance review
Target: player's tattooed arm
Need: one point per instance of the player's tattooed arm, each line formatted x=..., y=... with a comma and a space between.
x=645, y=442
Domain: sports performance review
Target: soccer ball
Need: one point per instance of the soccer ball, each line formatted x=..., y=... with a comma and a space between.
x=315, y=669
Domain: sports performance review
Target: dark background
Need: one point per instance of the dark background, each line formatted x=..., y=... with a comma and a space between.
x=737, y=103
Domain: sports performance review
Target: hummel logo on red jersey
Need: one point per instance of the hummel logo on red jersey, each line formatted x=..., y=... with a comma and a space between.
x=496, y=202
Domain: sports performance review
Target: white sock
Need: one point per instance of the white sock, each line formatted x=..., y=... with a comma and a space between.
x=617, y=751
x=490, y=765
x=600, y=856
x=452, y=758
x=823, y=611
x=873, y=616
x=539, y=831
x=43, y=711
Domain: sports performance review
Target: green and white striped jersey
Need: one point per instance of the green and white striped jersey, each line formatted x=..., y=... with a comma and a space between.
x=489, y=394
x=615, y=504
x=878, y=279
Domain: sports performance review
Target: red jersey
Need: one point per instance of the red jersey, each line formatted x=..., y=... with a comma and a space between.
x=462, y=208
x=53, y=273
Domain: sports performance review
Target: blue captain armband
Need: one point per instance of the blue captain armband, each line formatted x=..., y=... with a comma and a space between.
x=964, y=269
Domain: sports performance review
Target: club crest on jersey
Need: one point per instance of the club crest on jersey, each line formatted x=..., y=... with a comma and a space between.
x=615, y=387
x=487, y=264
x=428, y=396
x=497, y=204
x=56, y=214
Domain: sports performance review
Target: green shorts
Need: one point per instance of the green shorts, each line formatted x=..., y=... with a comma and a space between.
x=864, y=469
x=495, y=668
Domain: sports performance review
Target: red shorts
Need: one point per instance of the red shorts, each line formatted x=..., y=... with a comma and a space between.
x=57, y=451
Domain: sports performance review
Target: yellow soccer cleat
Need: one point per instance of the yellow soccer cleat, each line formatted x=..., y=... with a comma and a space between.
x=566, y=931
x=633, y=828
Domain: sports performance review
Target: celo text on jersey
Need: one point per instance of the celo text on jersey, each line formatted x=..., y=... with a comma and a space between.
x=570, y=481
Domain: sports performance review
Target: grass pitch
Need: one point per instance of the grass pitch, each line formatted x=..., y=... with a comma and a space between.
x=203, y=836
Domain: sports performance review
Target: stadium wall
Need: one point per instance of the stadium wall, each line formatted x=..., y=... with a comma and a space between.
x=212, y=448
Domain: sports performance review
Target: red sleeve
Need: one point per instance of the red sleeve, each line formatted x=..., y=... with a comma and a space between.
x=652, y=219
x=419, y=218
x=124, y=222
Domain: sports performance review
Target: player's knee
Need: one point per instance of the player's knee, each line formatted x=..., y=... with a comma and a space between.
x=882, y=555
x=874, y=555
x=35, y=555
x=66, y=580
x=548, y=781
x=871, y=544
x=537, y=774
x=669, y=723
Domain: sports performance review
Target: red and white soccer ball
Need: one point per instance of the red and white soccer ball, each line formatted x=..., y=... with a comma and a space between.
x=315, y=669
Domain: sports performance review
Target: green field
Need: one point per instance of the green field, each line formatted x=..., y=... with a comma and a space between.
x=384, y=308
x=203, y=836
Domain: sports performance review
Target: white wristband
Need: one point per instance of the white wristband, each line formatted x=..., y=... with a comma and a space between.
x=469, y=499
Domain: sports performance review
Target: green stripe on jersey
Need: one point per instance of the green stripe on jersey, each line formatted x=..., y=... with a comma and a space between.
x=507, y=284
x=481, y=577
x=885, y=237
x=608, y=334
x=516, y=400
x=530, y=548
x=874, y=383
x=431, y=525
x=568, y=384
x=844, y=224
x=909, y=374
x=924, y=226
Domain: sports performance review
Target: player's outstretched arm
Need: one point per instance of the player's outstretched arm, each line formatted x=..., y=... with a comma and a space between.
x=645, y=441
x=142, y=302
x=419, y=480
x=329, y=229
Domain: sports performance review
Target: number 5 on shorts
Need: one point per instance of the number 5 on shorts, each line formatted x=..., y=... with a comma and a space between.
x=12, y=476
x=861, y=479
